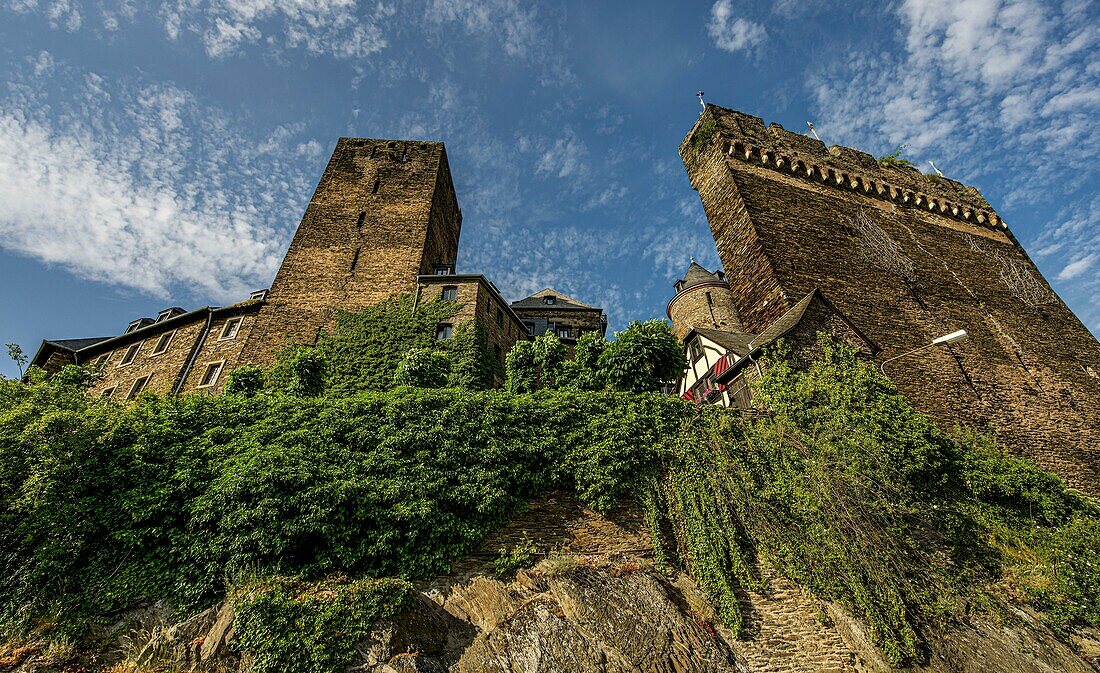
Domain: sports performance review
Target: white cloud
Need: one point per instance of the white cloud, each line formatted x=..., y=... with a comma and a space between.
x=1076, y=268
x=163, y=196
x=515, y=26
x=733, y=33
x=564, y=158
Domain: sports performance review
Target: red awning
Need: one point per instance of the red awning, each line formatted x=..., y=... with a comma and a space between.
x=721, y=366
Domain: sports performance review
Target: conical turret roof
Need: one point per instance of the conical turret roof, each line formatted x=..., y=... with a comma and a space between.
x=697, y=275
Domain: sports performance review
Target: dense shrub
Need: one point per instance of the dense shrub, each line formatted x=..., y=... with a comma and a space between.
x=841, y=486
x=291, y=625
x=423, y=368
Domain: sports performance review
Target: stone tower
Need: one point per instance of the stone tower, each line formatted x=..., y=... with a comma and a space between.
x=702, y=300
x=907, y=257
x=383, y=212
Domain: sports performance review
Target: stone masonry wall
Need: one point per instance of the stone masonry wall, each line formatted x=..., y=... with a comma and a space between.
x=163, y=369
x=376, y=220
x=907, y=258
x=214, y=348
x=709, y=305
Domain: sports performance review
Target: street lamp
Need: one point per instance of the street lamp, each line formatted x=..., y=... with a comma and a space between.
x=938, y=341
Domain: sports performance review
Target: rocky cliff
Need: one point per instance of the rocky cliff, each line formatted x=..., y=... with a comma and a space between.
x=592, y=601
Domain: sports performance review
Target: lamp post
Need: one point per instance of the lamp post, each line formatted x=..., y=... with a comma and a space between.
x=939, y=341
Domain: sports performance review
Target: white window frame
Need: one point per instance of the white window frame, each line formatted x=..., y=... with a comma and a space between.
x=109, y=392
x=225, y=328
x=135, y=389
x=128, y=357
x=104, y=360
x=157, y=350
x=217, y=376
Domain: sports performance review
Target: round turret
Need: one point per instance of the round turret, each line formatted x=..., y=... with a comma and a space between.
x=702, y=299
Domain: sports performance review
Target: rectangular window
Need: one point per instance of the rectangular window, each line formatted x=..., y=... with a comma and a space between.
x=529, y=325
x=130, y=354
x=211, y=373
x=138, y=386
x=230, y=330
x=163, y=342
x=443, y=331
x=442, y=269
x=108, y=392
x=500, y=318
x=450, y=293
x=562, y=331
x=696, y=351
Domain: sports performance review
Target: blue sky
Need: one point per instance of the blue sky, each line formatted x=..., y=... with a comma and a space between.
x=159, y=154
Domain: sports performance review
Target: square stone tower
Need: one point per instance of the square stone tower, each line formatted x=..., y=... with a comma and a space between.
x=907, y=257
x=384, y=212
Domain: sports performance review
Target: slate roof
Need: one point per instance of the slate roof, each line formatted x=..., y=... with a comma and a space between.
x=75, y=344
x=738, y=342
x=786, y=322
x=563, y=301
x=697, y=275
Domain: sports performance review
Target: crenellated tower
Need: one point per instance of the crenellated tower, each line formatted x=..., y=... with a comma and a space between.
x=907, y=257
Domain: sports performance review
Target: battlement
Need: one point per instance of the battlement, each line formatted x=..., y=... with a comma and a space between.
x=745, y=138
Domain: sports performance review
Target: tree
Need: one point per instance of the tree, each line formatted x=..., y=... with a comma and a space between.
x=642, y=357
x=423, y=368
x=523, y=373
x=15, y=352
x=549, y=356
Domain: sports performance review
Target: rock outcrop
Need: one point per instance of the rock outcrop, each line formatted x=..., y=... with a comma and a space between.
x=593, y=602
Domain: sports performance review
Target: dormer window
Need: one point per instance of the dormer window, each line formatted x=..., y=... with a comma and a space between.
x=258, y=295
x=550, y=301
x=443, y=270
x=169, y=313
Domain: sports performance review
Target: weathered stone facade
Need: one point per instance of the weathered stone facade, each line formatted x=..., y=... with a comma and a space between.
x=907, y=258
x=552, y=311
x=383, y=213
x=384, y=220
x=479, y=301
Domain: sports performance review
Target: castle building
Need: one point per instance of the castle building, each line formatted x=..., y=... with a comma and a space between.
x=552, y=311
x=883, y=255
x=383, y=221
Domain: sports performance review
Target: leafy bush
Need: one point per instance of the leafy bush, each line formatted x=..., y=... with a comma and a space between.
x=521, y=555
x=423, y=368
x=292, y=625
x=843, y=487
x=246, y=380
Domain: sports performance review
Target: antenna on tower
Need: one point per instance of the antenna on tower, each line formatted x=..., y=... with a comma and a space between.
x=938, y=171
x=812, y=131
x=699, y=95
